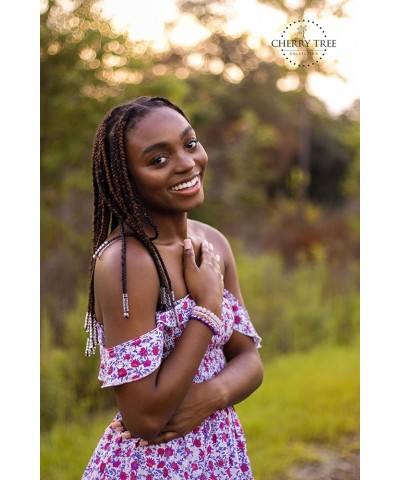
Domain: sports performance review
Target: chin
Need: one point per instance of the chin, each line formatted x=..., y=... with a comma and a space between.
x=198, y=201
x=188, y=205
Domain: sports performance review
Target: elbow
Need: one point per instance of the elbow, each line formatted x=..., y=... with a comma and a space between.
x=260, y=376
x=259, y=372
x=147, y=428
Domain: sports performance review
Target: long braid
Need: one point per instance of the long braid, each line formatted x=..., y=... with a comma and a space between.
x=117, y=201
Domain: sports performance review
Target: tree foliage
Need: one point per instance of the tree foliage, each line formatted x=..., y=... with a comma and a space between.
x=254, y=134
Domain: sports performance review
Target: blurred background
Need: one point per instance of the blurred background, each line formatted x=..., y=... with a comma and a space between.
x=282, y=185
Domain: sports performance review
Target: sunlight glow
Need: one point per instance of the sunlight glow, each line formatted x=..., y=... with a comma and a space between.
x=160, y=23
x=144, y=20
x=290, y=82
x=188, y=32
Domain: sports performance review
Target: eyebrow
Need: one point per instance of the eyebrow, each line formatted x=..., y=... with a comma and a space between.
x=158, y=145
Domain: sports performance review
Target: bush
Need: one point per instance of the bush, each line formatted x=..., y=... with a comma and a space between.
x=69, y=385
x=295, y=309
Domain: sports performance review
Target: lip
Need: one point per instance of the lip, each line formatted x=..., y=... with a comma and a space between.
x=187, y=192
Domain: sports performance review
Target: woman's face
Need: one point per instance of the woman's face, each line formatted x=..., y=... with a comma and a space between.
x=167, y=161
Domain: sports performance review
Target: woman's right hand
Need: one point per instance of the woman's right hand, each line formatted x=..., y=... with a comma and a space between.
x=205, y=282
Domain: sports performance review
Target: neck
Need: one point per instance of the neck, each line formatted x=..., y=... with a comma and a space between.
x=172, y=228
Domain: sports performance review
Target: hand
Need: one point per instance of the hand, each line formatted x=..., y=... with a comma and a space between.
x=119, y=426
x=192, y=411
x=205, y=283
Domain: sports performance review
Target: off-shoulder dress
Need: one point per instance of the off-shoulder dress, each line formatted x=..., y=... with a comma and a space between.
x=216, y=449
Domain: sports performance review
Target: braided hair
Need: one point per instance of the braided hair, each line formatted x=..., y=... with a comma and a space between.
x=117, y=202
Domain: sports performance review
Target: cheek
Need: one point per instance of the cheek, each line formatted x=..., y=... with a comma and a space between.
x=203, y=158
x=148, y=185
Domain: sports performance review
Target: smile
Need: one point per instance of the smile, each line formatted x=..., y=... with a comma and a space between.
x=186, y=185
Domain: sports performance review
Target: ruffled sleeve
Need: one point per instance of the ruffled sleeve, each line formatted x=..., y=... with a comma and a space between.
x=131, y=360
x=241, y=319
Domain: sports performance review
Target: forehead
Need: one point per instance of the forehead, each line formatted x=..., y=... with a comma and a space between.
x=160, y=125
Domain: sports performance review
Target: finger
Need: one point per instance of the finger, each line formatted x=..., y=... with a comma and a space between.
x=115, y=424
x=205, y=247
x=206, y=253
x=189, y=259
x=126, y=435
x=215, y=260
x=216, y=266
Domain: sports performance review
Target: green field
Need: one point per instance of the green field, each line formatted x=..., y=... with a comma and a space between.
x=306, y=400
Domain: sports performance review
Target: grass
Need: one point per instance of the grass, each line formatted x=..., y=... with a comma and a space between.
x=306, y=399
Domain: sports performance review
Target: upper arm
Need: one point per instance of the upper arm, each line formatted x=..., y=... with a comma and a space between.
x=142, y=288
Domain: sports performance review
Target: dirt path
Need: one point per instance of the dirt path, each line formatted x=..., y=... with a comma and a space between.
x=333, y=464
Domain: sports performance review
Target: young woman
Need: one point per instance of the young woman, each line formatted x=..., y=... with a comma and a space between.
x=176, y=342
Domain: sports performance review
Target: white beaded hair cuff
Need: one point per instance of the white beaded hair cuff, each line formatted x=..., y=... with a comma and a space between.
x=207, y=317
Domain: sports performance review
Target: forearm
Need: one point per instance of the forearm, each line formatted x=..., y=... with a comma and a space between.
x=166, y=389
x=179, y=368
x=241, y=376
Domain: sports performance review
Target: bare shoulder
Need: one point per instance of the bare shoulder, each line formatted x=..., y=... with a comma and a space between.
x=138, y=261
x=202, y=231
x=142, y=287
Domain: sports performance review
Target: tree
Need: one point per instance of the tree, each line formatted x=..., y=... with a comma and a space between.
x=81, y=61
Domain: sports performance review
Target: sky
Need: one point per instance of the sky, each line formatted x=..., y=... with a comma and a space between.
x=144, y=20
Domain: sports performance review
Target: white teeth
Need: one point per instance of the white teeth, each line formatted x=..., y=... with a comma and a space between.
x=190, y=184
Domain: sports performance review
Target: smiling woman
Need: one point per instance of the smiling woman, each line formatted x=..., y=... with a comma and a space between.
x=177, y=366
x=169, y=169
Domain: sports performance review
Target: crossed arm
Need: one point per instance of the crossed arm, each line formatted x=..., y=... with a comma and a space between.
x=241, y=376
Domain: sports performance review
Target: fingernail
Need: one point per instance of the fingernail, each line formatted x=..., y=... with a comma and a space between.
x=187, y=244
x=211, y=246
x=217, y=257
x=143, y=443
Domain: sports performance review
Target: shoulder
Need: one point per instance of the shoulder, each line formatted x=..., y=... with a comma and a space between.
x=138, y=259
x=222, y=247
x=141, y=278
x=202, y=231
x=211, y=234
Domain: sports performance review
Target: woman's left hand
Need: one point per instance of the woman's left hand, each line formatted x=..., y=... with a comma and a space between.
x=195, y=408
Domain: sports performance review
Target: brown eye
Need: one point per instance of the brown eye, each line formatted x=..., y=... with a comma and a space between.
x=192, y=144
x=159, y=160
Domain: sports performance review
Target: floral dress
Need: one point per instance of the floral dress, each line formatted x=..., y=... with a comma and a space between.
x=216, y=449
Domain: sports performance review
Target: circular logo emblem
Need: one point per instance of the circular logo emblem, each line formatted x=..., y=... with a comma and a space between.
x=304, y=43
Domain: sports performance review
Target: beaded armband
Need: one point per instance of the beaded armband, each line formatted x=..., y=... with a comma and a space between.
x=207, y=317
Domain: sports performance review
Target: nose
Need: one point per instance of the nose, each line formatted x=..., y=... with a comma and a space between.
x=184, y=162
